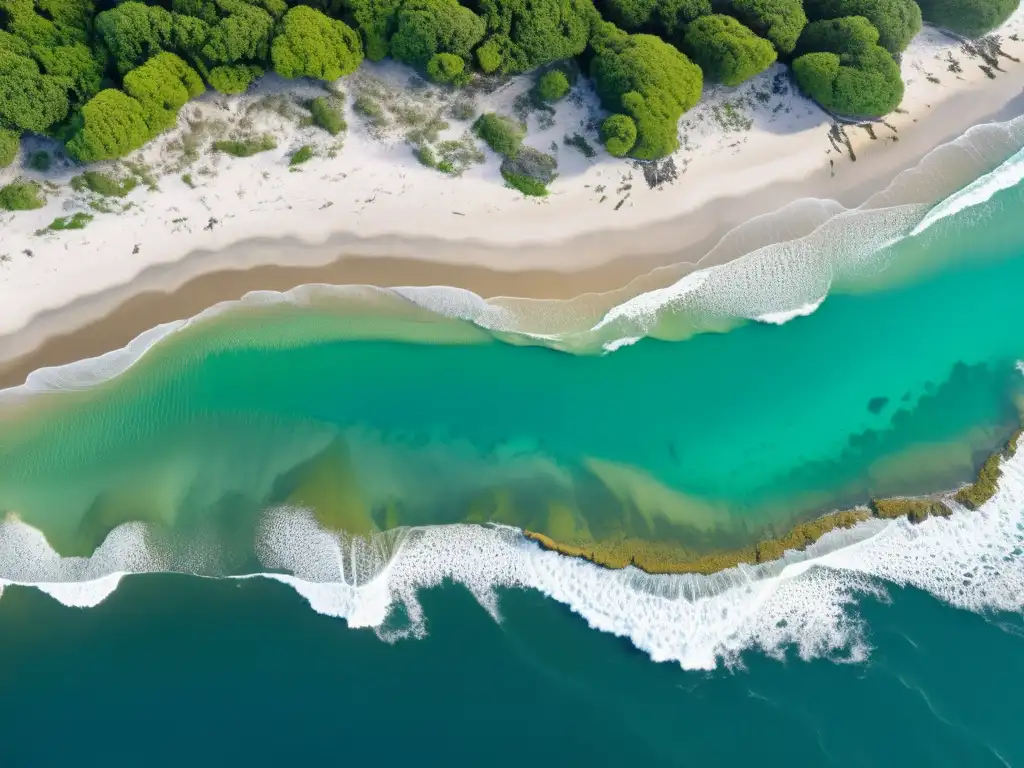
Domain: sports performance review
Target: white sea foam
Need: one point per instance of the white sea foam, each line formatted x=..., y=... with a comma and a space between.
x=973, y=560
x=781, y=318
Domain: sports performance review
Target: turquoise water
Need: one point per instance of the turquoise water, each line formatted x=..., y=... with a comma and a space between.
x=363, y=465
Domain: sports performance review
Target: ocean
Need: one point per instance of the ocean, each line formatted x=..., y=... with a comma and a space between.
x=290, y=529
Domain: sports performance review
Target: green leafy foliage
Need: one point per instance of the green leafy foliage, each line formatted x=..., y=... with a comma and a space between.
x=133, y=32
x=77, y=65
x=845, y=70
x=163, y=85
x=104, y=184
x=897, y=21
x=726, y=51
x=310, y=44
x=618, y=134
x=779, y=21
x=671, y=16
x=648, y=80
x=553, y=85
x=233, y=78
x=302, y=155
x=79, y=220
x=971, y=18
x=428, y=27
x=30, y=100
x=22, y=195
x=10, y=145
x=447, y=69
x=500, y=133
x=243, y=36
x=327, y=116
x=246, y=147
x=525, y=34
x=111, y=125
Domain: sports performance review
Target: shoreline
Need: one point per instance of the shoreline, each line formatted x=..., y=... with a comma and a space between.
x=61, y=310
x=661, y=558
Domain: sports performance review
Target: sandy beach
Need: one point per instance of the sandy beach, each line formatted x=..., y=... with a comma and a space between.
x=210, y=228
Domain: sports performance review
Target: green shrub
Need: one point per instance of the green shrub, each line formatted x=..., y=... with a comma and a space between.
x=726, y=51
x=40, y=161
x=246, y=147
x=426, y=156
x=162, y=86
x=111, y=125
x=779, y=21
x=529, y=171
x=502, y=134
x=488, y=56
x=425, y=28
x=233, y=78
x=897, y=21
x=103, y=184
x=22, y=195
x=302, y=155
x=971, y=18
x=10, y=144
x=327, y=116
x=648, y=80
x=310, y=44
x=78, y=221
x=447, y=69
x=526, y=34
x=553, y=85
x=671, y=16
x=618, y=134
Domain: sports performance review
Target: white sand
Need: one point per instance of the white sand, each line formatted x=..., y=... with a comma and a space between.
x=736, y=142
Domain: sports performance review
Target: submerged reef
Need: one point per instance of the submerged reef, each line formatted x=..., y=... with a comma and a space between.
x=665, y=557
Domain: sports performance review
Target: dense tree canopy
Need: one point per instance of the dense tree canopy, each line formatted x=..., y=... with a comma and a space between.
x=162, y=86
x=132, y=32
x=525, y=34
x=726, y=51
x=897, y=21
x=111, y=125
x=428, y=27
x=30, y=100
x=972, y=18
x=780, y=21
x=8, y=146
x=310, y=44
x=647, y=79
x=845, y=70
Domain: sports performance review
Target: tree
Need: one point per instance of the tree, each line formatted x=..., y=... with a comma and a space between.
x=30, y=100
x=647, y=79
x=241, y=36
x=427, y=27
x=132, y=32
x=10, y=145
x=631, y=15
x=526, y=34
x=111, y=125
x=897, y=21
x=233, y=78
x=618, y=133
x=376, y=21
x=971, y=18
x=779, y=21
x=75, y=64
x=671, y=16
x=447, y=69
x=553, y=85
x=845, y=70
x=162, y=86
x=309, y=44
x=726, y=51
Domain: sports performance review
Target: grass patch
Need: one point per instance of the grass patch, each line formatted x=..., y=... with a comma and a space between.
x=22, y=195
x=246, y=147
x=78, y=221
x=370, y=108
x=103, y=184
x=302, y=155
x=327, y=115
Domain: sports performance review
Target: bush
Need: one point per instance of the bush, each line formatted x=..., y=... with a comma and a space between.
x=647, y=79
x=10, y=144
x=309, y=44
x=302, y=155
x=553, y=85
x=869, y=86
x=21, y=195
x=526, y=34
x=618, y=134
x=779, y=21
x=327, y=116
x=111, y=125
x=726, y=51
x=529, y=171
x=425, y=28
x=246, y=147
x=162, y=86
x=104, y=184
x=233, y=78
x=671, y=16
x=488, y=56
x=897, y=21
x=426, y=156
x=502, y=134
x=971, y=18
x=78, y=221
x=447, y=69
x=40, y=161
x=29, y=100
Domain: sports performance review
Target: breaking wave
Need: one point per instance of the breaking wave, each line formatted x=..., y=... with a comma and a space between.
x=973, y=560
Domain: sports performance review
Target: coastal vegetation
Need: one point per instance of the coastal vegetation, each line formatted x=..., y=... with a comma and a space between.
x=105, y=79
